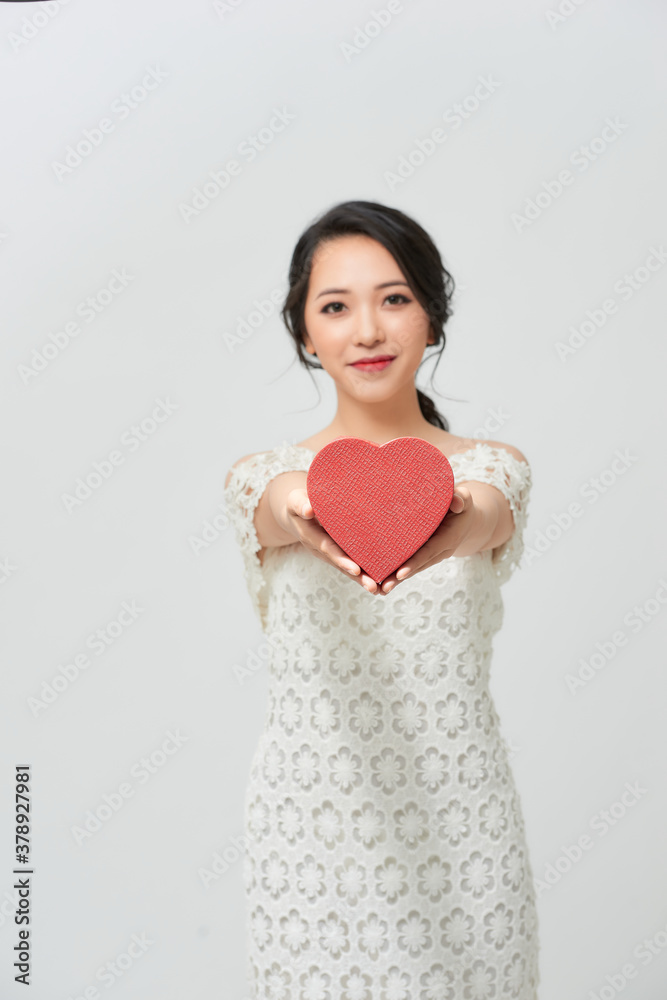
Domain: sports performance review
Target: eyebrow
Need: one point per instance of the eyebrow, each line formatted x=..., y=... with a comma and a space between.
x=346, y=291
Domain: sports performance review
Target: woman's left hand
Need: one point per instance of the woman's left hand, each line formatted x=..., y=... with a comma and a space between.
x=445, y=540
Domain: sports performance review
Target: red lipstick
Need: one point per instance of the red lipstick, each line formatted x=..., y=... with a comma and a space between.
x=373, y=364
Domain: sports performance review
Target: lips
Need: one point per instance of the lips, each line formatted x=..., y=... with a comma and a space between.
x=374, y=364
x=374, y=357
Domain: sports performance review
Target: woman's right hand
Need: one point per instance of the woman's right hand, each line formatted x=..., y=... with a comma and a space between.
x=300, y=521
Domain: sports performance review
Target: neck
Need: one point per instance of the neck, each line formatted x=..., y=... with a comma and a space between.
x=379, y=422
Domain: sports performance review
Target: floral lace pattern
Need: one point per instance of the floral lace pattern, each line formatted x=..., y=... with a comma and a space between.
x=386, y=856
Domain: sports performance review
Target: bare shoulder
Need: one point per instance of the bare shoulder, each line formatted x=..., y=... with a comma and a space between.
x=240, y=461
x=454, y=445
x=520, y=457
x=315, y=442
x=449, y=444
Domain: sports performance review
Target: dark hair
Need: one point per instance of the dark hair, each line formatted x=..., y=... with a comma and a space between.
x=413, y=250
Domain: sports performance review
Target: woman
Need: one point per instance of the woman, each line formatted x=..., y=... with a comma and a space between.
x=386, y=854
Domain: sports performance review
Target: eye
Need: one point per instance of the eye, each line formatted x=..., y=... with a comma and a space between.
x=392, y=295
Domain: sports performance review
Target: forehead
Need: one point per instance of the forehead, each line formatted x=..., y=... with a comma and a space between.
x=345, y=252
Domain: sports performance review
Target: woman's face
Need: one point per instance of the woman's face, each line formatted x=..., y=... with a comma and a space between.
x=359, y=305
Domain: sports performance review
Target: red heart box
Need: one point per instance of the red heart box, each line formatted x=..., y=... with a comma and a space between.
x=380, y=502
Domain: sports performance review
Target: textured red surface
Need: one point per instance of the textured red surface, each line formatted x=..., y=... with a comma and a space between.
x=380, y=503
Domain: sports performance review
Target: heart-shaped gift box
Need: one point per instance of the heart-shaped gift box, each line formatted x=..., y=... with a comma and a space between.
x=380, y=503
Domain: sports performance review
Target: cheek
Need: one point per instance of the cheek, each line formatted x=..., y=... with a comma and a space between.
x=310, y=318
x=315, y=326
x=411, y=329
x=328, y=338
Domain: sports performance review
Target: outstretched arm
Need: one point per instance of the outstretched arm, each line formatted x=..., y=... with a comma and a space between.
x=283, y=515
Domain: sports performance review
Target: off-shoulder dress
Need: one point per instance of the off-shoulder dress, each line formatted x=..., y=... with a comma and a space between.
x=386, y=855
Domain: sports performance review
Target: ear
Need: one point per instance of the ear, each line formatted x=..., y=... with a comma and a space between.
x=308, y=344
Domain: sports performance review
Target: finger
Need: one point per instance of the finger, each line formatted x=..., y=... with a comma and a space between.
x=332, y=552
x=344, y=564
x=429, y=555
x=434, y=560
x=457, y=504
x=461, y=500
x=305, y=508
x=389, y=583
x=324, y=547
x=369, y=584
x=419, y=559
x=298, y=503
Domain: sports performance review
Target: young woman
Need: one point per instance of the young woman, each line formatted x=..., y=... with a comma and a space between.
x=386, y=855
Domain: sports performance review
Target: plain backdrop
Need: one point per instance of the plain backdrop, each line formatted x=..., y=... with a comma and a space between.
x=138, y=322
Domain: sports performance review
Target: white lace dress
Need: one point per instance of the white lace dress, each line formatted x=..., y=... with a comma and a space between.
x=386, y=855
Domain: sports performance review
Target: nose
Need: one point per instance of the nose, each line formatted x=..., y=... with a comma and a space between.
x=369, y=330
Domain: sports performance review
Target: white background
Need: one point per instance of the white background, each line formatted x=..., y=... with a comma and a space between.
x=166, y=335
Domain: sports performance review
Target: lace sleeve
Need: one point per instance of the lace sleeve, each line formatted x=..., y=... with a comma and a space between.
x=247, y=483
x=498, y=467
